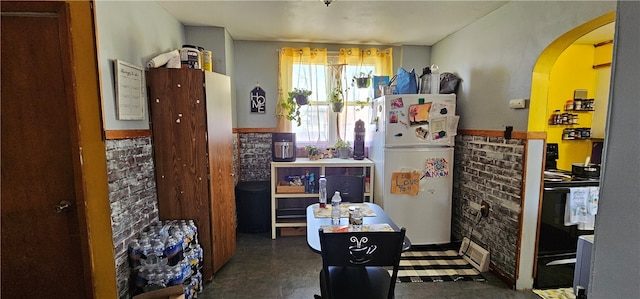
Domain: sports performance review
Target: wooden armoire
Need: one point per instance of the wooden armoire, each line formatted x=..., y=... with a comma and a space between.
x=190, y=113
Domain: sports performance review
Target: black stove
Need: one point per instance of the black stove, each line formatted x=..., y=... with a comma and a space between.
x=557, y=243
x=564, y=178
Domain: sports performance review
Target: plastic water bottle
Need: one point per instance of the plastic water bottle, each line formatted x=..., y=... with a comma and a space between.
x=322, y=190
x=335, y=208
x=435, y=79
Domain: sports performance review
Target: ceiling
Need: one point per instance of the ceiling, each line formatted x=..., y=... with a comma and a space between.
x=371, y=22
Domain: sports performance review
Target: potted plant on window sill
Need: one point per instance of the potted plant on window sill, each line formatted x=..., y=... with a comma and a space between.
x=362, y=80
x=297, y=98
x=313, y=152
x=343, y=148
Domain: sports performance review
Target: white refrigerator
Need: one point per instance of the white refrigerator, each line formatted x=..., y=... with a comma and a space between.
x=412, y=139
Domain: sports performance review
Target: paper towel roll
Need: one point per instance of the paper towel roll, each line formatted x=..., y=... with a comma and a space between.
x=174, y=63
x=162, y=59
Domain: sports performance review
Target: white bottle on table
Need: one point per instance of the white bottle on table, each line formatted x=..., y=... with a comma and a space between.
x=335, y=208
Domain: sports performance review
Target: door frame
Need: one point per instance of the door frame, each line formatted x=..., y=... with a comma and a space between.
x=88, y=149
x=91, y=175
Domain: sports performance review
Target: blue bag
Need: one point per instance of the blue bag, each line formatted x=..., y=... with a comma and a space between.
x=406, y=82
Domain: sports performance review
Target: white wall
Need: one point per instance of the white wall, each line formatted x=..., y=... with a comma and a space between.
x=132, y=31
x=615, y=270
x=495, y=57
x=230, y=71
x=414, y=57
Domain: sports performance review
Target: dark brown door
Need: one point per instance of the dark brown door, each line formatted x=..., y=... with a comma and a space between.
x=41, y=250
x=180, y=151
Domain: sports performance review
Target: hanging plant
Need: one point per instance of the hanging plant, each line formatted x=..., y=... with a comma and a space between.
x=300, y=95
x=336, y=100
x=363, y=80
x=297, y=98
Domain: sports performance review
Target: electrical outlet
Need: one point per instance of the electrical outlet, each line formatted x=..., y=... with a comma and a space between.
x=484, y=208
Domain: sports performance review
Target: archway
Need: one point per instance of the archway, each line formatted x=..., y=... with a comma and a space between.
x=541, y=76
x=542, y=69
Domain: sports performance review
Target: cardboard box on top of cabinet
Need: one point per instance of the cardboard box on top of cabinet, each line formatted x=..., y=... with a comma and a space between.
x=173, y=292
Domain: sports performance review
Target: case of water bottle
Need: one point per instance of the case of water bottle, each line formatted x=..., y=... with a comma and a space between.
x=167, y=254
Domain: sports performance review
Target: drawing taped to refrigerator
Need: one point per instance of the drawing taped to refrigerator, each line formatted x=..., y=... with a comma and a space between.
x=412, y=148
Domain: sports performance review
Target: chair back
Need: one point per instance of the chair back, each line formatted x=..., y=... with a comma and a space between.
x=362, y=249
x=351, y=187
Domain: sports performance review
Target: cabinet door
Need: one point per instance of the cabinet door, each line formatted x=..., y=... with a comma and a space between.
x=220, y=143
x=178, y=122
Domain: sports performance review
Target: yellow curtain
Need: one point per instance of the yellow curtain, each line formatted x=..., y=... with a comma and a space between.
x=287, y=58
x=381, y=59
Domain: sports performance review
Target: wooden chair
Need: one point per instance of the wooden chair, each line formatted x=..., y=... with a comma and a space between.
x=357, y=264
x=351, y=187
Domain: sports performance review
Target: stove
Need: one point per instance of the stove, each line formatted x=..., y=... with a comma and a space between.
x=557, y=243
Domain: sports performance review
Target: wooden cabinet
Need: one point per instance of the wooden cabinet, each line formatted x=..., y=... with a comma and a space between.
x=288, y=204
x=190, y=112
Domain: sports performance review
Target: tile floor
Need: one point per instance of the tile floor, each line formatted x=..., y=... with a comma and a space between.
x=287, y=268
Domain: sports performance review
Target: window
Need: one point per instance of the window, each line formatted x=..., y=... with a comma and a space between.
x=320, y=125
x=314, y=69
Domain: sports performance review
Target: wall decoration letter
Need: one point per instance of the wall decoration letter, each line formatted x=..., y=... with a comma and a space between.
x=258, y=100
x=130, y=91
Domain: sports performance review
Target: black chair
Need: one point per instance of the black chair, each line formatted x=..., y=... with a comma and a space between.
x=357, y=264
x=351, y=187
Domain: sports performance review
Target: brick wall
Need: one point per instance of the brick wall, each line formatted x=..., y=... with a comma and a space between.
x=490, y=169
x=255, y=156
x=132, y=195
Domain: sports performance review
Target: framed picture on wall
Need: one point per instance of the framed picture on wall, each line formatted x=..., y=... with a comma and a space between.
x=130, y=91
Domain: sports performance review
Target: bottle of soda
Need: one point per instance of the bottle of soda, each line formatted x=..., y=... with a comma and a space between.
x=322, y=191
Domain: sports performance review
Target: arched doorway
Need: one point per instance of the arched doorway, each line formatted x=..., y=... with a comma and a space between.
x=542, y=69
x=541, y=78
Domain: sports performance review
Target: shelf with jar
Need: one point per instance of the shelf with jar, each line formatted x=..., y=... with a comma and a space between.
x=572, y=108
x=576, y=134
x=580, y=105
x=565, y=118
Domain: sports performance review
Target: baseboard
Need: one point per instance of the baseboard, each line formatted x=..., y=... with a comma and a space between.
x=473, y=253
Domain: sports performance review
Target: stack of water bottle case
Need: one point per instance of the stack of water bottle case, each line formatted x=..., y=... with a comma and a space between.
x=167, y=254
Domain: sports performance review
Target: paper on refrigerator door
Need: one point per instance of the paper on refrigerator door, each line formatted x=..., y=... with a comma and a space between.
x=441, y=129
x=436, y=167
x=405, y=183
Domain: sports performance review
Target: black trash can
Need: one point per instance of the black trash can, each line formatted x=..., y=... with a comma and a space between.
x=253, y=206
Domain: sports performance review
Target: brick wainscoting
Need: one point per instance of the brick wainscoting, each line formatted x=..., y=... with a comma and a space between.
x=132, y=195
x=254, y=152
x=491, y=169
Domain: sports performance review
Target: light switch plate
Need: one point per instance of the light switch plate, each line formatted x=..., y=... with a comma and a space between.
x=517, y=104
